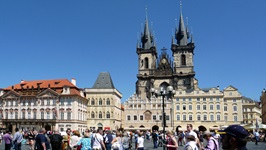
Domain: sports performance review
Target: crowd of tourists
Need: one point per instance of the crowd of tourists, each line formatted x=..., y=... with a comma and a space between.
x=73, y=140
x=233, y=137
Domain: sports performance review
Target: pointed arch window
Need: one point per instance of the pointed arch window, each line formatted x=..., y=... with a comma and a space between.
x=92, y=102
x=100, y=101
x=183, y=59
x=108, y=114
x=108, y=101
x=146, y=63
x=100, y=115
x=92, y=115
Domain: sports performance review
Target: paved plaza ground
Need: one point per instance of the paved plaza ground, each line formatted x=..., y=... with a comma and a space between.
x=149, y=146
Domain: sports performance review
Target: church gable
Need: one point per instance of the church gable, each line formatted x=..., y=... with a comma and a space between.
x=164, y=66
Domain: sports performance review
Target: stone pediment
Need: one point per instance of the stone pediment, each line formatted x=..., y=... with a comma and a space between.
x=230, y=88
x=11, y=94
x=48, y=93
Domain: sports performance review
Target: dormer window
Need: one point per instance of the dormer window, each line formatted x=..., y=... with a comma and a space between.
x=66, y=90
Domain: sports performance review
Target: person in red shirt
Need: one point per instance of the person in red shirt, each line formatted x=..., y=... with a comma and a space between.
x=171, y=141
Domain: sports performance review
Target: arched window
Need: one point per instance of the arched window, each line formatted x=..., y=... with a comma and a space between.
x=62, y=115
x=23, y=115
x=100, y=115
x=42, y=115
x=183, y=59
x=92, y=115
x=48, y=115
x=92, y=102
x=108, y=101
x=107, y=114
x=146, y=63
x=100, y=101
x=68, y=115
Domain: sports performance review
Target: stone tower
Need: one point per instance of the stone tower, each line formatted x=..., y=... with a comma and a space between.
x=155, y=72
x=183, y=52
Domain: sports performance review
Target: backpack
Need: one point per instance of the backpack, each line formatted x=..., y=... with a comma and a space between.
x=125, y=142
x=55, y=138
x=92, y=141
x=182, y=135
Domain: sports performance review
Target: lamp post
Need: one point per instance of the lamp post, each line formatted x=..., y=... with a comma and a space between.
x=168, y=92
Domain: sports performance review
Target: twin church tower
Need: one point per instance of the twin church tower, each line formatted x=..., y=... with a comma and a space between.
x=155, y=72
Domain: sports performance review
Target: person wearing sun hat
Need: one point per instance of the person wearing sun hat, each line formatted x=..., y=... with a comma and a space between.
x=234, y=137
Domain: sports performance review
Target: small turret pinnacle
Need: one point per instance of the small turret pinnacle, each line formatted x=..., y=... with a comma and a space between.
x=187, y=29
x=192, y=39
x=173, y=40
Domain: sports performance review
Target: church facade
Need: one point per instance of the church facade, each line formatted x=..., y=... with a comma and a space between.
x=205, y=108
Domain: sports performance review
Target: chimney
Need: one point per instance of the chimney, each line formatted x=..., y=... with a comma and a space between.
x=73, y=81
x=1, y=92
x=22, y=81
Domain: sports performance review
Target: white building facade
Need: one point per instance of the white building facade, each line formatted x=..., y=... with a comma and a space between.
x=52, y=104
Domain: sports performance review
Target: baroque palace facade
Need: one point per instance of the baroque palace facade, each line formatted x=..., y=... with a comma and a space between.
x=52, y=104
x=205, y=108
x=60, y=104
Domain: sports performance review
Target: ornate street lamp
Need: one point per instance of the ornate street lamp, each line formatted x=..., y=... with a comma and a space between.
x=169, y=92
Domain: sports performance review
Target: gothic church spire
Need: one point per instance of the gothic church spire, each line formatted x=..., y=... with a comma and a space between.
x=146, y=37
x=181, y=33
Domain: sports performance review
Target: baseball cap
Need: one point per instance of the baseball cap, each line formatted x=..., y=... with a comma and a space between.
x=236, y=131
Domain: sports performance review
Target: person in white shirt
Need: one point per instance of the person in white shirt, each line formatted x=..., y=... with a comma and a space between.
x=98, y=141
x=74, y=139
x=191, y=132
x=257, y=136
x=140, y=142
x=191, y=144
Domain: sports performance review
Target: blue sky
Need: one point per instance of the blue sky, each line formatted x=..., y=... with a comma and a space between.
x=53, y=39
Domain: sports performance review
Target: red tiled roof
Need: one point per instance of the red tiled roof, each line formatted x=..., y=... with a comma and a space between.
x=55, y=83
